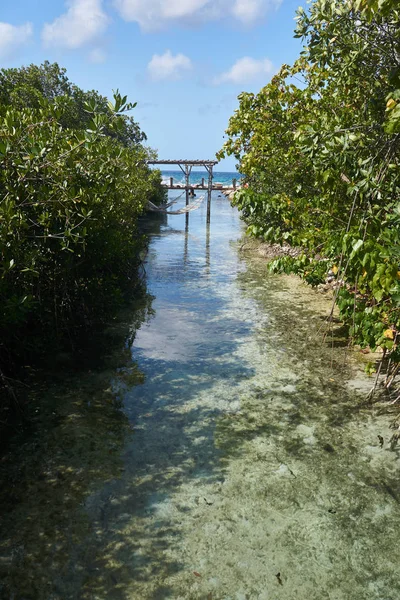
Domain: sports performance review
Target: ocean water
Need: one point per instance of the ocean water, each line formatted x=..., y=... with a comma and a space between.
x=224, y=177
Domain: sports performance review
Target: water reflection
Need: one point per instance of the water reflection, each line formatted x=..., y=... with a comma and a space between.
x=77, y=432
x=208, y=228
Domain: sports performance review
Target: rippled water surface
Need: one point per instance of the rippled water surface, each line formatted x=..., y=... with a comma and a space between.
x=224, y=454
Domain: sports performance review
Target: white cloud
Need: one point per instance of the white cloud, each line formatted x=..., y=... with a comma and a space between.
x=176, y=9
x=168, y=66
x=97, y=55
x=83, y=23
x=12, y=38
x=246, y=70
x=156, y=14
x=249, y=11
x=153, y=14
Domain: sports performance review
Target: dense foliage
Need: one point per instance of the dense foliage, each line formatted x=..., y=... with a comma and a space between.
x=73, y=181
x=319, y=149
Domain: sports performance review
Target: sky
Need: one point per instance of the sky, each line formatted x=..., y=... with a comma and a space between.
x=183, y=61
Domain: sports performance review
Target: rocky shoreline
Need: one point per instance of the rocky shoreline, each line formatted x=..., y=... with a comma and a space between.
x=273, y=251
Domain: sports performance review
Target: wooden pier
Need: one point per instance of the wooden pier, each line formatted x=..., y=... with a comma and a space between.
x=186, y=168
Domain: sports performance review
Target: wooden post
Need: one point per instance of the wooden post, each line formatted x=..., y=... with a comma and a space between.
x=171, y=181
x=187, y=184
x=202, y=182
x=210, y=178
x=188, y=170
x=234, y=184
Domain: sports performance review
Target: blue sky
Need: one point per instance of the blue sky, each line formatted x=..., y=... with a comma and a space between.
x=183, y=61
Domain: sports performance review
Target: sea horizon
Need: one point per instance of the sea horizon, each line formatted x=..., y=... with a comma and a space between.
x=223, y=177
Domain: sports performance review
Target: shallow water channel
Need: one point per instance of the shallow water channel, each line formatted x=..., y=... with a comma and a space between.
x=220, y=449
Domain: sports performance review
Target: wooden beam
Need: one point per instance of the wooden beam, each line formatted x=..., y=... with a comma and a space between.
x=182, y=162
x=219, y=188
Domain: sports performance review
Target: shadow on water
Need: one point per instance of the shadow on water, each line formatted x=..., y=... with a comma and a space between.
x=74, y=441
x=70, y=490
x=172, y=447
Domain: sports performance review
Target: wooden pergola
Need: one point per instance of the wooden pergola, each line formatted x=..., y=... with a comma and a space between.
x=186, y=168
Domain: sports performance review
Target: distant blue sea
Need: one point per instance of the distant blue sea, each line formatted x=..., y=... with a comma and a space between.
x=196, y=177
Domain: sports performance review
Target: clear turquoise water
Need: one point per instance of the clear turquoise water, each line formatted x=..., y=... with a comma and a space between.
x=222, y=452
